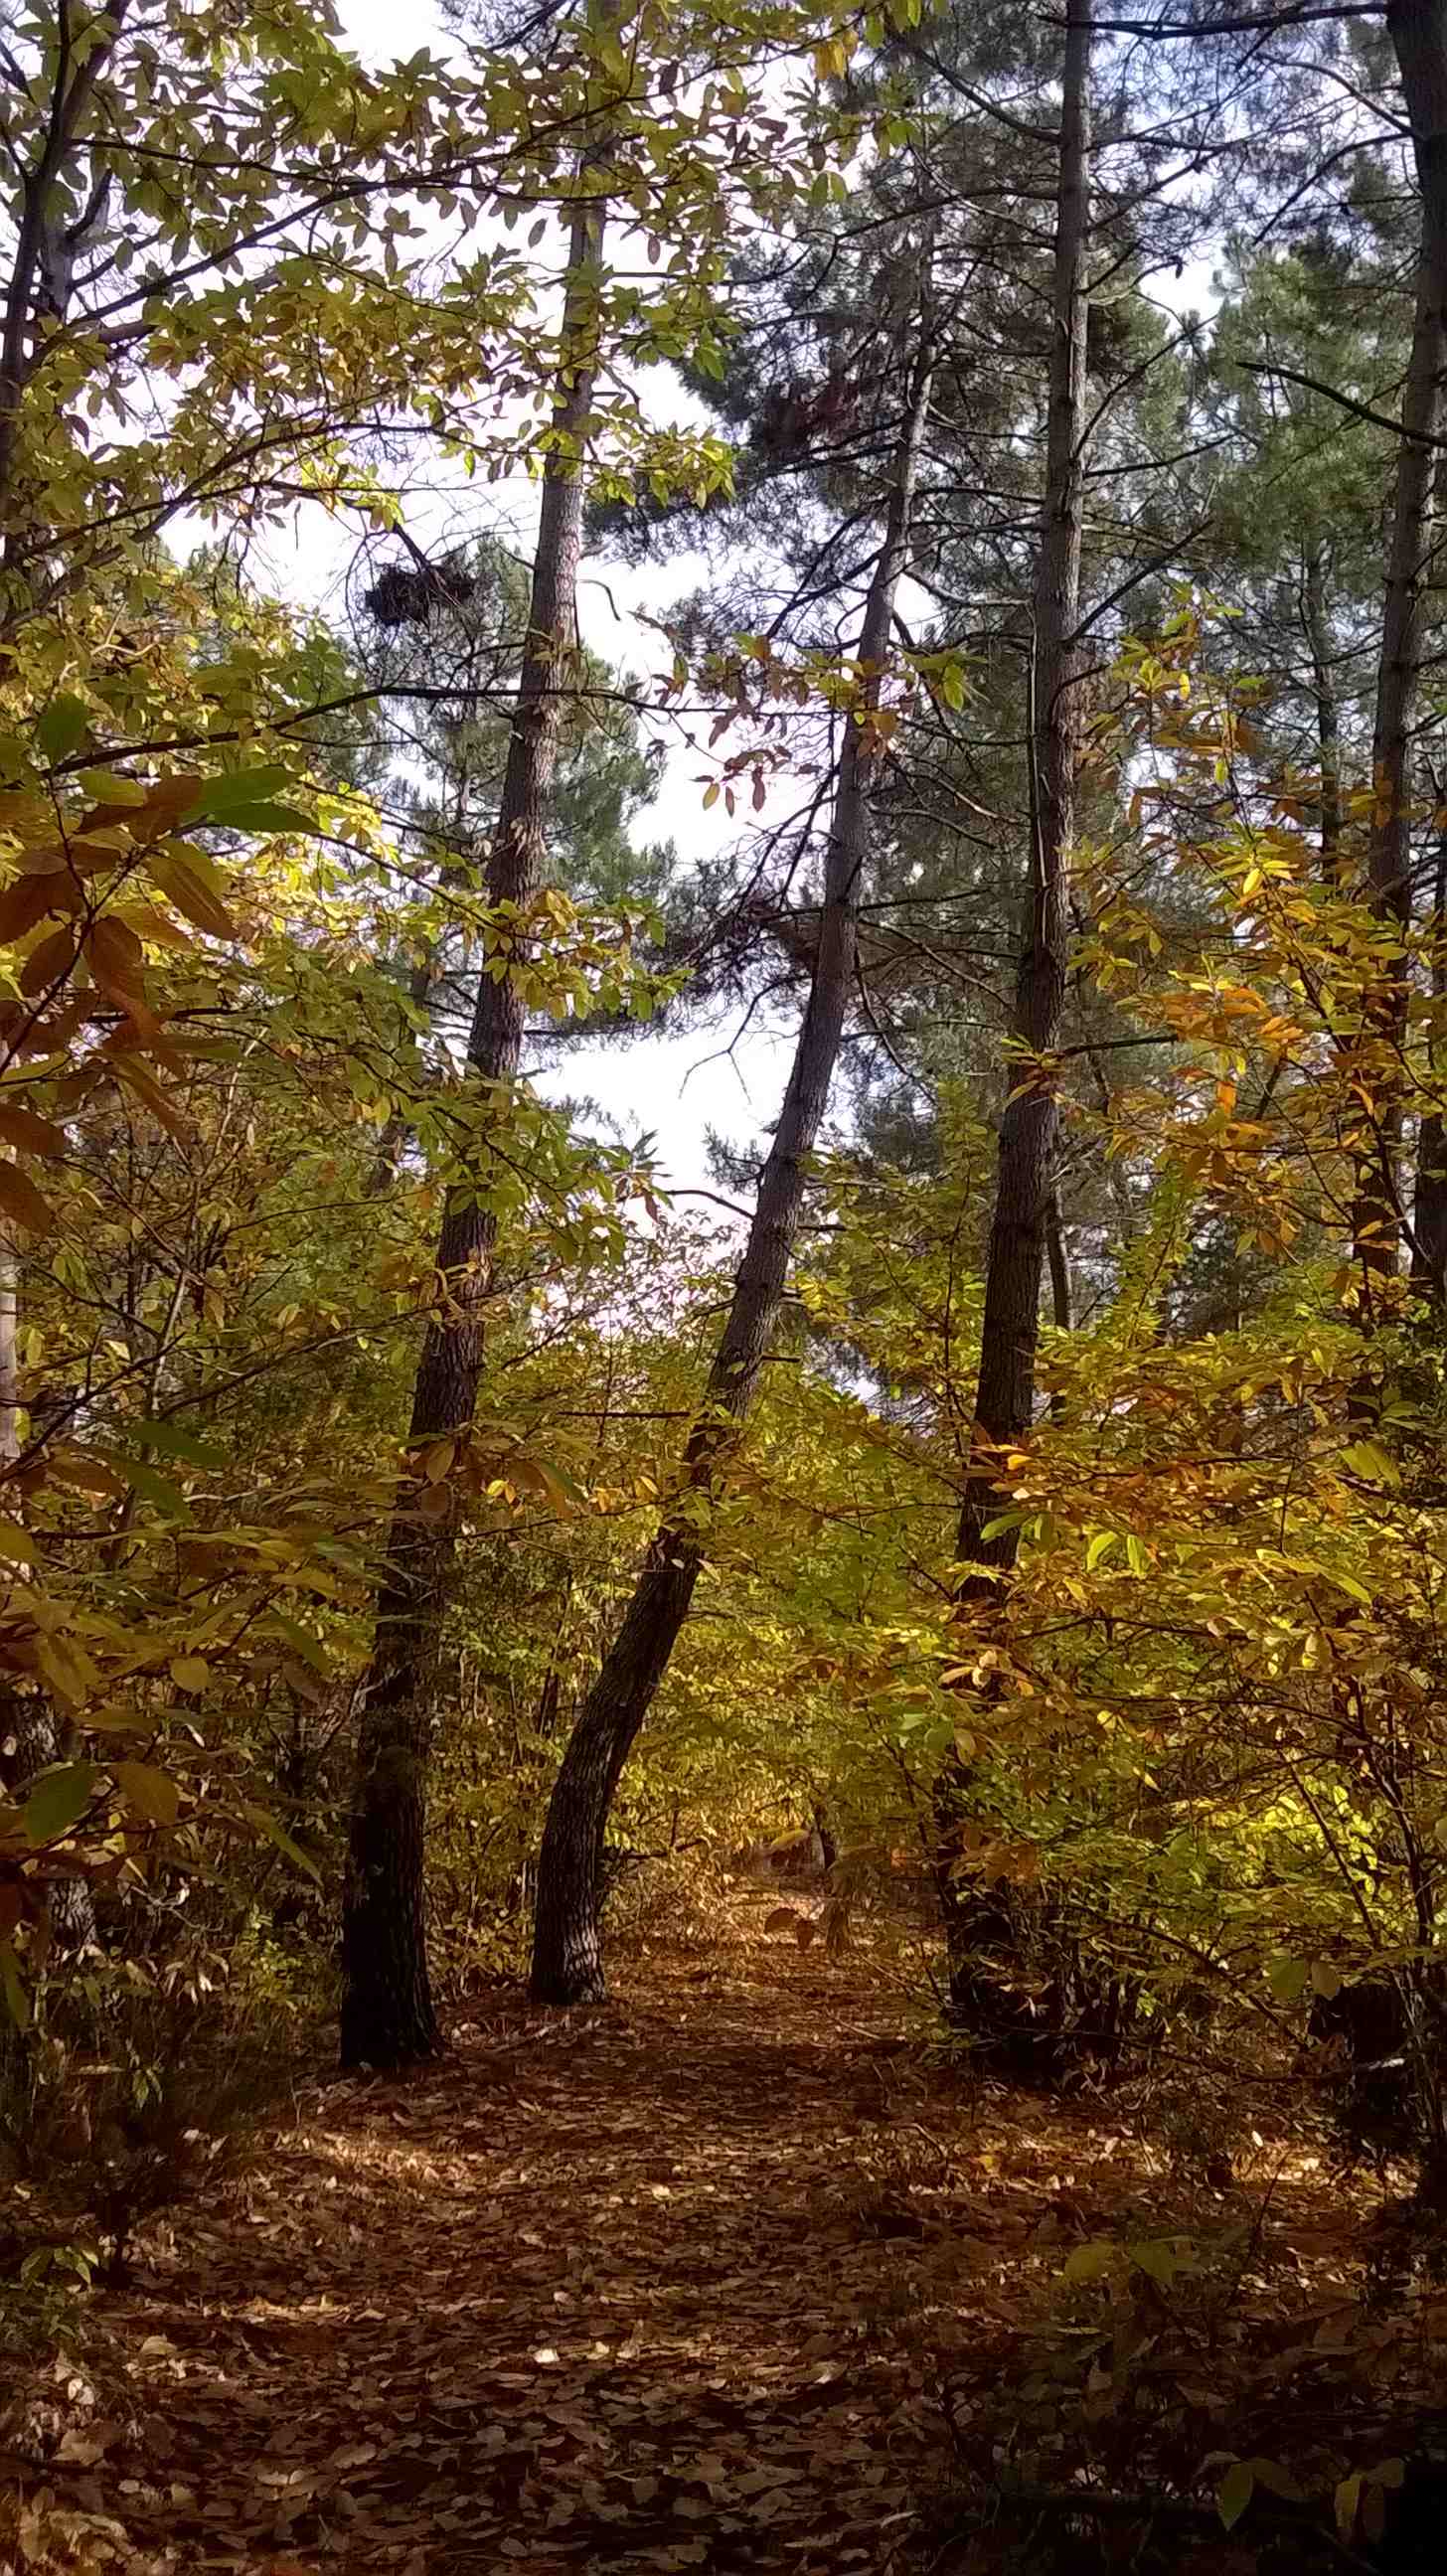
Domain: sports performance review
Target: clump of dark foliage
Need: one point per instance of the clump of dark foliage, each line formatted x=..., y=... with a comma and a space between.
x=406, y=594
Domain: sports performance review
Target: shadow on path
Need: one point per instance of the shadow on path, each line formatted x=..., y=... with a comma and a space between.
x=591, y=2294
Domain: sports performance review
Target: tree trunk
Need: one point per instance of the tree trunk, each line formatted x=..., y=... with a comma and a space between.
x=388, y=2018
x=1005, y=1399
x=567, y=1953
x=31, y=1738
x=1029, y=1126
x=1418, y=30
x=1429, y=1210
x=46, y=245
x=1328, y=724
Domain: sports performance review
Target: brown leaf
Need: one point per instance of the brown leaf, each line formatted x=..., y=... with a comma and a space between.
x=21, y=1202
x=49, y=961
x=24, y=904
x=26, y=1129
x=115, y=957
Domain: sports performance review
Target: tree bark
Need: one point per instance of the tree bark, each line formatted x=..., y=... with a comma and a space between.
x=1418, y=30
x=567, y=1965
x=31, y=1738
x=388, y=2017
x=1429, y=1209
x=43, y=260
x=980, y=1921
x=1328, y=723
x=1029, y=1127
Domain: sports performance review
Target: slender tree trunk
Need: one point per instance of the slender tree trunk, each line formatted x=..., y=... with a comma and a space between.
x=31, y=1738
x=1029, y=1126
x=1429, y=1210
x=1418, y=30
x=1024, y=1186
x=388, y=2017
x=1328, y=725
x=46, y=246
x=567, y=1953
x=1062, y=1287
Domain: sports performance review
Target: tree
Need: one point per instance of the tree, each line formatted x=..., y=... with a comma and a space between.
x=1005, y=1395
x=387, y=2010
x=567, y=1960
x=1419, y=38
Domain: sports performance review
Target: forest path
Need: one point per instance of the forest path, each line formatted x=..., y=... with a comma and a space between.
x=645, y=2287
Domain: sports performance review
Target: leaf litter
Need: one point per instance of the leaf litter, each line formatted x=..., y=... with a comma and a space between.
x=706, y=2279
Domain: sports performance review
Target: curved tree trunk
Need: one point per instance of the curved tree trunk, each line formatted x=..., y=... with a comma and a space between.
x=567, y=1963
x=388, y=2017
x=1029, y=1126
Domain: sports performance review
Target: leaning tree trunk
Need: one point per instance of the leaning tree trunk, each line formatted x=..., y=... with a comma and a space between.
x=1029, y=1125
x=567, y=1965
x=388, y=2017
x=1418, y=29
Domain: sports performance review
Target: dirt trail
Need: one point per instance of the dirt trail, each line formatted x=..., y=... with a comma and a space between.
x=598, y=2292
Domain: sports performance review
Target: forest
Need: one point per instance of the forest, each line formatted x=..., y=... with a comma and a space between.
x=723, y=1286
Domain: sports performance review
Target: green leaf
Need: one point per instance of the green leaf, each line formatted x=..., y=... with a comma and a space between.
x=62, y=727
x=57, y=1799
x=152, y=1793
x=110, y=787
x=1090, y=2262
x=1235, y=2492
x=275, y=1832
x=1279, y=2481
x=173, y=1442
x=155, y=1488
x=1369, y=1460
x=1159, y=2259
x=265, y=817
x=278, y=1624
x=221, y=795
x=1100, y=1545
x=1287, y=1979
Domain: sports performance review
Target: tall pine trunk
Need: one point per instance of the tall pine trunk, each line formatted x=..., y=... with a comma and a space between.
x=1029, y=1125
x=388, y=2017
x=567, y=1966
x=1429, y=1208
x=1418, y=30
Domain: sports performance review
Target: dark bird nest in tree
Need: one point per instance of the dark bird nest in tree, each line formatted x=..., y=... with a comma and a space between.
x=406, y=594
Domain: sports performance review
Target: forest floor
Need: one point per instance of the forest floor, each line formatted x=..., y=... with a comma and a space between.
x=697, y=2280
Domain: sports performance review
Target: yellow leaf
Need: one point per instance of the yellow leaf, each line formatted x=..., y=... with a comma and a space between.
x=185, y=877
x=152, y=1793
